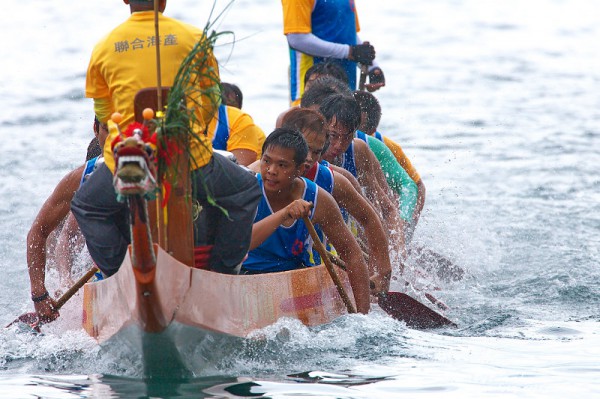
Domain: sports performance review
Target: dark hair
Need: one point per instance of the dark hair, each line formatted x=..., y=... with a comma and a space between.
x=321, y=88
x=231, y=95
x=327, y=68
x=306, y=119
x=368, y=104
x=93, y=149
x=344, y=108
x=288, y=138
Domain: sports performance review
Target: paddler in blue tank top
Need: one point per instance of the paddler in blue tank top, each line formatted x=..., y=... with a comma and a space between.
x=313, y=128
x=342, y=113
x=279, y=234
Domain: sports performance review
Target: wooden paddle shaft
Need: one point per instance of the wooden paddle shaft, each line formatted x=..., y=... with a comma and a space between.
x=325, y=257
x=71, y=291
x=364, y=71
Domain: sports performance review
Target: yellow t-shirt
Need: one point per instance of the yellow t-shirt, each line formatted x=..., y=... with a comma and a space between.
x=243, y=133
x=402, y=159
x=124, y=62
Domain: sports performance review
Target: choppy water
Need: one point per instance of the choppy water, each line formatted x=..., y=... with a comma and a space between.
x=497, y=105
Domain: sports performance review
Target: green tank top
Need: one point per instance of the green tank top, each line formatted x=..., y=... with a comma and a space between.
x=396, y=177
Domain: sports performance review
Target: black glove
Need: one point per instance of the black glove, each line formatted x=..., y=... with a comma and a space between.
x=362, y=53
x=376, y=76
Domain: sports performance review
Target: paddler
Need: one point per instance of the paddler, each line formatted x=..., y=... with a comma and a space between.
x=279, y=235
x=312, y=125
x=234, y=130
x=342, y=113
x=370, y=117
x=54, y=211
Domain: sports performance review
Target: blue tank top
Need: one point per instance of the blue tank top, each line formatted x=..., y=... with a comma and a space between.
x=90, y=166
x=348, y=162
x=221, y=137
x=324, y=177
x=335, y=21
x=363, y=136
x=288, y=248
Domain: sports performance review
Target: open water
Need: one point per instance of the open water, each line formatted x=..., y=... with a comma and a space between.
x=497, y=105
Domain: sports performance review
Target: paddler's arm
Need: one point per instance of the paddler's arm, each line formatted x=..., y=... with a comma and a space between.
x=328, y=215
x=420, y=203
x=52, y=213
x=379, y=191
x=348, y=176
x=69, y=243
x=380, y=267
x=263, y=229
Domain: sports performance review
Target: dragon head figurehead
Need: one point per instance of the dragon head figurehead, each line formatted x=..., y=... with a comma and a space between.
x=135, y=165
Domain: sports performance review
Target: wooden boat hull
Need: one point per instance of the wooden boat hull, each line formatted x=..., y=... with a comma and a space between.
x=175, y=294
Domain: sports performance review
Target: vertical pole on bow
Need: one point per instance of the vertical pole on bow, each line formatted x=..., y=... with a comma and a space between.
x=158, y=70
x=175, y=228
x=160, y=212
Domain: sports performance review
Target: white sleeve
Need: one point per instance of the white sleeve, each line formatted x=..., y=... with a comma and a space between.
x=312, y=45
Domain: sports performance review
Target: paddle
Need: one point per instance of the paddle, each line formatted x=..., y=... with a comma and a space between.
x=403, y=307
x=32, y=319
x=364, y=71
x=325, y=257
x=416, y=315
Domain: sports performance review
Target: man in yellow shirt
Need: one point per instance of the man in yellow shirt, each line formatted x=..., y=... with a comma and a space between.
x=123, y=63
x=232, y=95
x=234, y=130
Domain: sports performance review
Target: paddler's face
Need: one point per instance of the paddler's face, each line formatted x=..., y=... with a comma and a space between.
x=278, y=168
x=340, y=138
x=316, y=144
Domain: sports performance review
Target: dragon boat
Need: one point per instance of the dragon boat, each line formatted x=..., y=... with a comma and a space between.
x=161, y=302
x=158, y=301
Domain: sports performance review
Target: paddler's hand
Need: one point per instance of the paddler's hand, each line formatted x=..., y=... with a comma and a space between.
x=380, y=284
x=362, y=53
x=46, y=310
x=298, y=209
x=376, y=79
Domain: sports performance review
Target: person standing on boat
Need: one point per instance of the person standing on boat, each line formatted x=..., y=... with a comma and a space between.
x=279, y=235
x=318, y=30
x=312, y=125
x=121, y=64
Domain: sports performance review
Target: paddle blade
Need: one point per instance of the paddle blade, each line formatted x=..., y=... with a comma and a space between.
x=416, y=315
x=30, y=319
